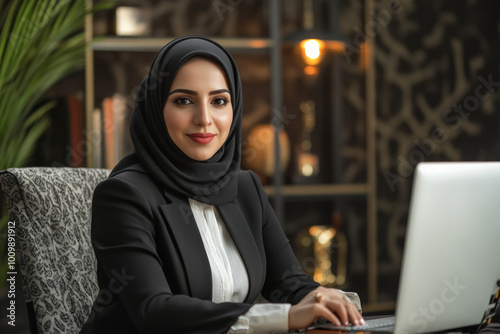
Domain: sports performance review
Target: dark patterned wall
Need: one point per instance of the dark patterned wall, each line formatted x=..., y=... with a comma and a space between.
x=437, y=90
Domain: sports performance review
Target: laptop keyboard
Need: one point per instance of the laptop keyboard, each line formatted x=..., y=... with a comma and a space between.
x=382, y=324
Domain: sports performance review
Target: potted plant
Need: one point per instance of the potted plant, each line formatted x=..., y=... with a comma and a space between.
x=41, y=42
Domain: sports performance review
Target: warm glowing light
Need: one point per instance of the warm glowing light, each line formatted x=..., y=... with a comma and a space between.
x=312, y=51
x=307, y=170
x=330, y=279
x=318, y=276
x=311, y=70
x=311, y=47
x=326, y=236
x=326, y=264
x=328, y=245
x=308, y=164
x=313, y=230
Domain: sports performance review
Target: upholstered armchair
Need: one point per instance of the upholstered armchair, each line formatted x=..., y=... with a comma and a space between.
x=50, y=208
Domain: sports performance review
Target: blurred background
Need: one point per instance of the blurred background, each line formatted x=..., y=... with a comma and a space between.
x=342, y=98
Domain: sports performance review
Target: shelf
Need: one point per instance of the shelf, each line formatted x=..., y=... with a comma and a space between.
x=323, y=190
x=277, y=47
x=153, y=44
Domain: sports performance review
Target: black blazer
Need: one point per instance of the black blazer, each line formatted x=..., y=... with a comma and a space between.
x=153, y=271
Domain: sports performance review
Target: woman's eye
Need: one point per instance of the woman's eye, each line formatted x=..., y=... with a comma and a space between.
x=219, y=102
x=182, y=101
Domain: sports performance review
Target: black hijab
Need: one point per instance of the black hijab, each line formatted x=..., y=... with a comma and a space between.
x=213, y=181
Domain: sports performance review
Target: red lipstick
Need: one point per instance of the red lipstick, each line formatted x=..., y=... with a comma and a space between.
x=201, y=138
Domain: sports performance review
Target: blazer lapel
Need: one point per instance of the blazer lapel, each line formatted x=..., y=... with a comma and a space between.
x=183, y=226
x=243, y=239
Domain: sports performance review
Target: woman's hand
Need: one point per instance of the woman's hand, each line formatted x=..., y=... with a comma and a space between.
x=330, y=304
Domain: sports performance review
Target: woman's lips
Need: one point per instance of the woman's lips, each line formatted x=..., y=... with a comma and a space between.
x=202, y=138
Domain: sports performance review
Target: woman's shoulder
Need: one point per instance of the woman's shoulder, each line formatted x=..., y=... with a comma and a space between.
x=132, y=170
x=249, y=186
x=129, y=169
x=130, y=173
x=247, y=178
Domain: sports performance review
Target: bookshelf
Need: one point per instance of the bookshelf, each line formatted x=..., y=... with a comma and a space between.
x=152, y=44
x=284, y=194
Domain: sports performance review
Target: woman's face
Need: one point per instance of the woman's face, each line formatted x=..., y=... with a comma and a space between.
x=198, y=112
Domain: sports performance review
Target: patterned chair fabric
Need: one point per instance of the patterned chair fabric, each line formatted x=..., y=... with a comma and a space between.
x=51, y=210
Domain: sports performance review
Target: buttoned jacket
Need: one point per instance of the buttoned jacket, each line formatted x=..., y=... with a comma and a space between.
x=153, y=271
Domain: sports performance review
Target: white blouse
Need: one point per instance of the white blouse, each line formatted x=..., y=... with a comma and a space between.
x=229, y=275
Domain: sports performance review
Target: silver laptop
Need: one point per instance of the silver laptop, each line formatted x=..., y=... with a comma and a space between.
x=451, y=260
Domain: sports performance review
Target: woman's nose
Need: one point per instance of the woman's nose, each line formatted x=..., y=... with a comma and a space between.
x=202, y=116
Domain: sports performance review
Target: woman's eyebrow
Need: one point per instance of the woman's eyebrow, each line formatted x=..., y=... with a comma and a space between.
x=218, y=91
x=185, y=91
x=192, y=92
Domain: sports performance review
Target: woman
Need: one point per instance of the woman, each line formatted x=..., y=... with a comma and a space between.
x=185, y=241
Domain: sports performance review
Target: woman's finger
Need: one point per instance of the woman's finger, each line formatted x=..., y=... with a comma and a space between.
x=339, y=309
x=325, y=312
x=354, y=316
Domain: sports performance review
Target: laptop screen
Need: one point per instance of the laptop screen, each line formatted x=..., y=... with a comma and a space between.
x=451, y=260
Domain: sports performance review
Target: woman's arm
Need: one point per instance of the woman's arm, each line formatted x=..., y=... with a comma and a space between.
x=287, y=282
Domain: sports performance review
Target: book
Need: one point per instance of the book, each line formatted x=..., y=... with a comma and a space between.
x=108, y=129
x=115, y=130
x=119, y=115
x=96, y=138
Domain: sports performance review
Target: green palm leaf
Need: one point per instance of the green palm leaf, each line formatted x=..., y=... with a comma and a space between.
x=41, y=42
